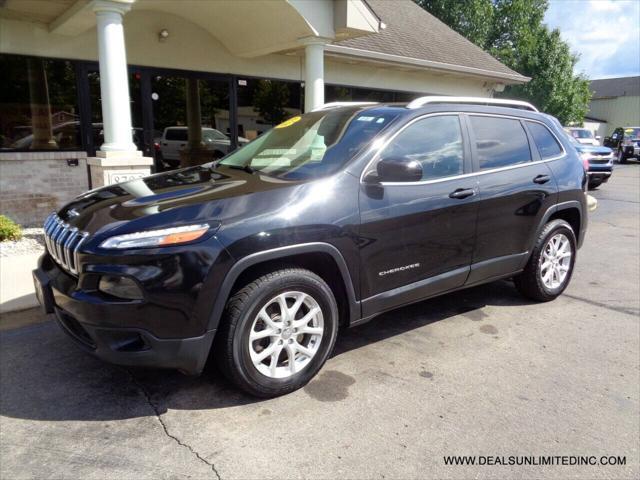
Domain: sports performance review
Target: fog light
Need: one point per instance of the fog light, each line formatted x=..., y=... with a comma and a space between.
x=121, y=287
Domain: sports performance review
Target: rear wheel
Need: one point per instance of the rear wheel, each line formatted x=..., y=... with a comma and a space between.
x=277, y=332
x=594, y=184
x=550, y=267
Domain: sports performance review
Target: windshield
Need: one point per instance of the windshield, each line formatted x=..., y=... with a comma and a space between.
x=581, y=133
x=632, y=133
x=314, y=144
x=571, y=139
x=209, y=134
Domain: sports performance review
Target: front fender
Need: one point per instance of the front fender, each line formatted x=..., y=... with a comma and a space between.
x=244, y=263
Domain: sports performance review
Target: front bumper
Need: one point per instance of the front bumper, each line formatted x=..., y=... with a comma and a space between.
x=632, y=151
x=599, y=175
x=115, y=331
x=135, y=347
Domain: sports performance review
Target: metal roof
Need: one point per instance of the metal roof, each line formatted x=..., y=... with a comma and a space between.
x=615, y=87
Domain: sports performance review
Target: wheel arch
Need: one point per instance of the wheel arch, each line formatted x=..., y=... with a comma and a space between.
x=571, y=211
x=323, y=259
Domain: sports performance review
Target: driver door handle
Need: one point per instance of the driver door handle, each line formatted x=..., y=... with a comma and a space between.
x=541, y=179
x=461, y=193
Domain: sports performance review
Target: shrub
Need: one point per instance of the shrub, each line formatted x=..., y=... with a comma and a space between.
x=9, y=230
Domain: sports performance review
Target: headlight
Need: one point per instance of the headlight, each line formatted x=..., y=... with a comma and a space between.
x=157, y=238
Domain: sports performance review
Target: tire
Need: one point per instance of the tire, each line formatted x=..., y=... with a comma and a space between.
x=594, y=185
x=621, y=157
x=237, y=356
x=530, y=282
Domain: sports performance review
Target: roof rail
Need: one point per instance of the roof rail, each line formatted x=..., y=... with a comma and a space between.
x=327, y=106
x=501, y=102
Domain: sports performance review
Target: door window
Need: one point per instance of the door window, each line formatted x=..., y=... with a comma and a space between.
x=435, y=142
x=500, y=142
x=548, y=146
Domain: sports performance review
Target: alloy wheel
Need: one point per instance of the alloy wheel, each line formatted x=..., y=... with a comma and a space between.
x=555, y=261
x=286, y=334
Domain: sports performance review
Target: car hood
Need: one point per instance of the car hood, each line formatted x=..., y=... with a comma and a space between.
x=593, y=149
x=191, y=195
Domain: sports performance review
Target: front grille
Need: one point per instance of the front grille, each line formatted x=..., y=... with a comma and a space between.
x=63, y=241
x=600, y=154
x=599, y=161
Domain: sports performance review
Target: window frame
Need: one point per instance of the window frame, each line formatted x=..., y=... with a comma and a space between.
x=535, y=157
x=532, y=141
x=533, y=152
x=467, y=167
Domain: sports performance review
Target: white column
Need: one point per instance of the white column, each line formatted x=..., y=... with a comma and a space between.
x=313, y=73
x=114, y=79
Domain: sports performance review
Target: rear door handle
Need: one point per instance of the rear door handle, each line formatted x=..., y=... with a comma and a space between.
x=541, y=179
x=461, y=193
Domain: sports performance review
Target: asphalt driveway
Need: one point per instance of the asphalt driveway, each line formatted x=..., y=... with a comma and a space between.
x=481, y=372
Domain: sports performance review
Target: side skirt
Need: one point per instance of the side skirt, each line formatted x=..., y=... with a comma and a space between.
x=477, y=274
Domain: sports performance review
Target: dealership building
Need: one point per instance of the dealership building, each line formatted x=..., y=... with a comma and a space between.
x=88, y=87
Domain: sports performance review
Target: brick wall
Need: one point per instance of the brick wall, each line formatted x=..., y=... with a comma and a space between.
x=33, y=184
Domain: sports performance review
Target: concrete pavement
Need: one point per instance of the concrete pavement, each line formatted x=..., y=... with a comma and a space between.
x=16, y=284
x=478, y=372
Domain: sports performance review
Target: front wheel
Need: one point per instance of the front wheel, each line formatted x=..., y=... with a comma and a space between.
x=550, y=266
x=277, y=332
x=621, y=157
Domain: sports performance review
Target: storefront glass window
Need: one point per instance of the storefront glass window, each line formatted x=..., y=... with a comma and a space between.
x=338, y=93
x=190, y=120
x=263, y=104
x=38, y=104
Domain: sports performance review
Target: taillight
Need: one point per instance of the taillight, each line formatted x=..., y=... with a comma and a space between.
x=156, y=146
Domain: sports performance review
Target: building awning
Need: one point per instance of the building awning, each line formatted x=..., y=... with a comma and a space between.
x=246, y=29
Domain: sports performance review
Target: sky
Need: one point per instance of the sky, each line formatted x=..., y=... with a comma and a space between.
x=605, y=33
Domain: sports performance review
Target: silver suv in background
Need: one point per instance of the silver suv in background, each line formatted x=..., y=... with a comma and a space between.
x=175, y=139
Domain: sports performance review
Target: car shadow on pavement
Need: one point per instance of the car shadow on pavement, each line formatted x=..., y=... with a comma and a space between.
x=44, y=376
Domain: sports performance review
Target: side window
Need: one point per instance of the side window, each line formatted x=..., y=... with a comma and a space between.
x=177, y=134
x=435, y=142
x=548, y=146
x=500, y=142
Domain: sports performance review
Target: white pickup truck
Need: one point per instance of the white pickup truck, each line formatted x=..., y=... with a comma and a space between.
x=174, y=139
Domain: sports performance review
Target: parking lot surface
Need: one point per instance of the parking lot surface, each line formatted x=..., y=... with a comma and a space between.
x=481, y=372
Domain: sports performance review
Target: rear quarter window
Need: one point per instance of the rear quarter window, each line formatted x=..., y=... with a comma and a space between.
x=546, y=143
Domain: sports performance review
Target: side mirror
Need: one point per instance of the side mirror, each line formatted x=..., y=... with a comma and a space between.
x=398, y=169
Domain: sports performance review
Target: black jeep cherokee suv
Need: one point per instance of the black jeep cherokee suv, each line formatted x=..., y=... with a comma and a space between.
x=329, y=219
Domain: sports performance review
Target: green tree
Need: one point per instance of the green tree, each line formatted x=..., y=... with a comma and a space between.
x=471, y=18
x=513, y=32
x=269, y=101
x=553, y=88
